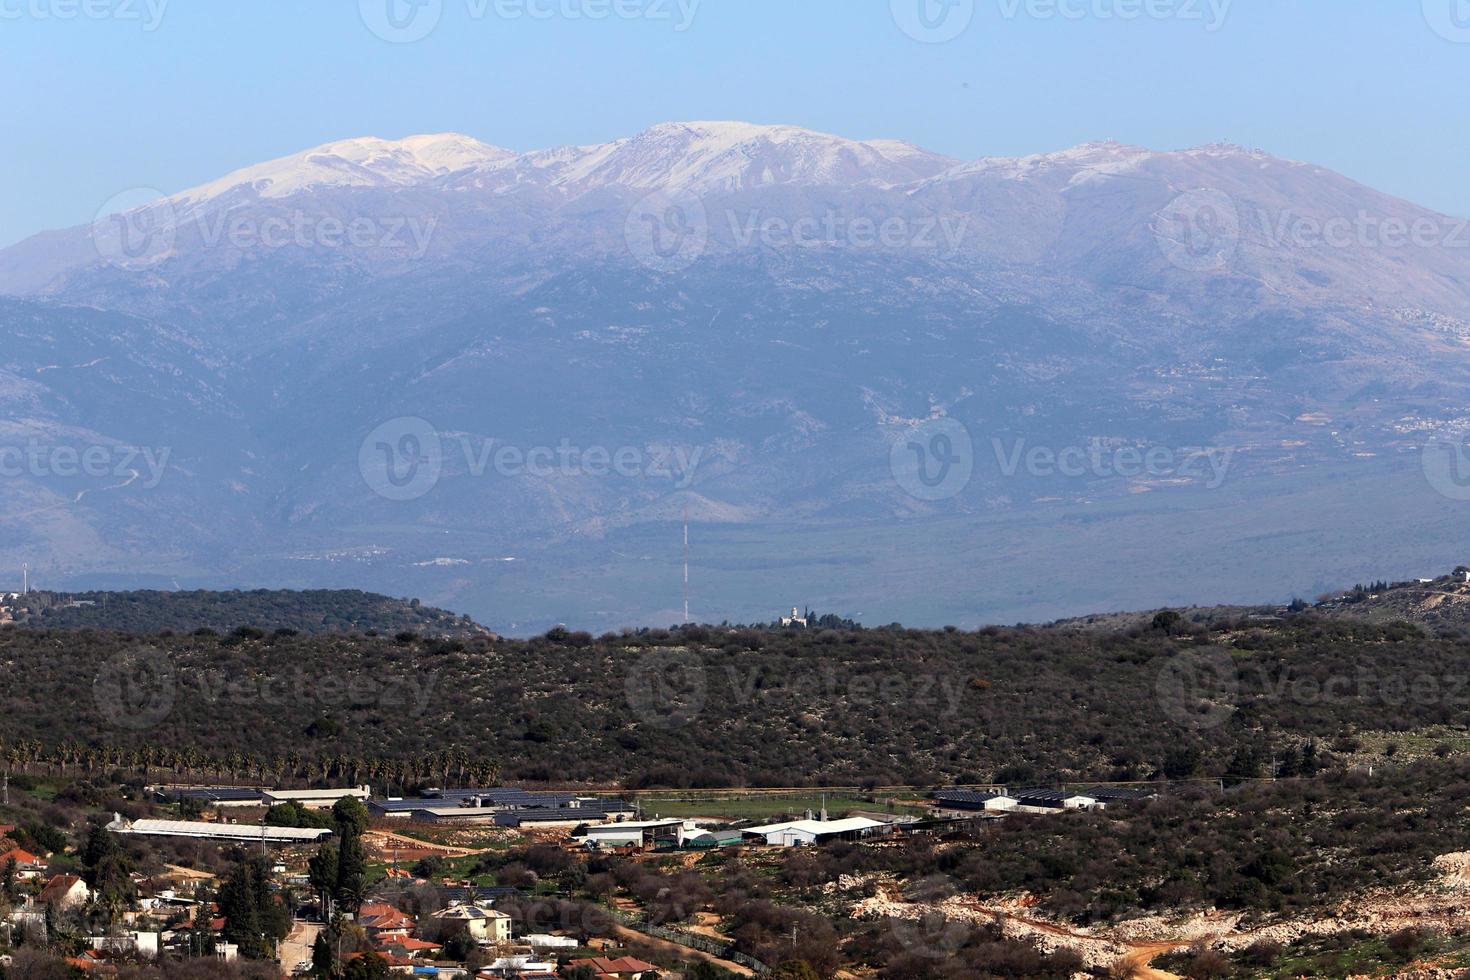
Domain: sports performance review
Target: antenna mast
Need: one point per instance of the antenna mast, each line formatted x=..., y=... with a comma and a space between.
x=686, y=564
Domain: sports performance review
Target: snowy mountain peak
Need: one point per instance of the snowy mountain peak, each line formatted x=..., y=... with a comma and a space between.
x=362, y=162
x=727, y=156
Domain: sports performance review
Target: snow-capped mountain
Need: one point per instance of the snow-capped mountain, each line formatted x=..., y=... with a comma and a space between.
x=773, y=306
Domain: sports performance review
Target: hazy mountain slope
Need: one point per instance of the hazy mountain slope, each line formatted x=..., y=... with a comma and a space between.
x=756, y=315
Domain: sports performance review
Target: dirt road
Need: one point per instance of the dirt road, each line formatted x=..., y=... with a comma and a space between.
x=683, y=952
x=388, y=841
x=1136, y=965
x=296, y=948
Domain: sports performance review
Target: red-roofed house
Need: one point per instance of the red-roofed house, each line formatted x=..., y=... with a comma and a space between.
x=627, y=966
x=408, y=947
x=65, y=892
x=27, y=865
x=378, y=918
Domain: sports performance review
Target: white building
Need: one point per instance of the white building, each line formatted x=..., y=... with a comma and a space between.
x=481, y=924
x=638, y=833
x=315, y=799
x=801, y=833
x=234, y=832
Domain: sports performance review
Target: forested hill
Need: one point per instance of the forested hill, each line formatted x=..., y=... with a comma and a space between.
x=714, y=706
x=311, y=612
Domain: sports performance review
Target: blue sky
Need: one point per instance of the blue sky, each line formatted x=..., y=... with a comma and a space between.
x=107, y=95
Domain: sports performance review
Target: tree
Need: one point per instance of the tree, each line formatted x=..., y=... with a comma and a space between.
x=253, y=918
x=323, y=957
x=351, y=816
x=322, y=872
x=351, y=867
x=368, y=966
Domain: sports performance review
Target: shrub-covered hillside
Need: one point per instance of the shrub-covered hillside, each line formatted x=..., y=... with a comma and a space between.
x=714, y=707
x=317, y=611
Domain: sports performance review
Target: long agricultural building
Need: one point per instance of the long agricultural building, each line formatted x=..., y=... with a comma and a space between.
x=233, y=832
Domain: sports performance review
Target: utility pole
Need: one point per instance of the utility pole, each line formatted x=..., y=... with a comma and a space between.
x=686, y=564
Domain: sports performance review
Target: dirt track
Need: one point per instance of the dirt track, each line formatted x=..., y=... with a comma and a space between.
x=682, y=952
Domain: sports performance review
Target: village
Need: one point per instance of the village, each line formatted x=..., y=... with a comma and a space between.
x=420, y=903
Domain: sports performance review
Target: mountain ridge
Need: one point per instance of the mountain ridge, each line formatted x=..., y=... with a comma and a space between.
x=783, y=318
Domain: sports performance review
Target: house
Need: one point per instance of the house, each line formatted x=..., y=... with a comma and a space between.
x=801, y=833
x=378, y=919
x=542, y=941
x=65, y=892
x=315, y=799
x=626, y=966
x=964, y=803
x=27, y=865
x=1054, y=801
x=408, y=947
x=481, y=924
x=795, y=619
x=519, y=967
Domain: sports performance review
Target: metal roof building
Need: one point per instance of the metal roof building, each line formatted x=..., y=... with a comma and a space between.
x=237, y=832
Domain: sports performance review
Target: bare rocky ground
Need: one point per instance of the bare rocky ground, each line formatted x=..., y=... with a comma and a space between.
x=1128, y=947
